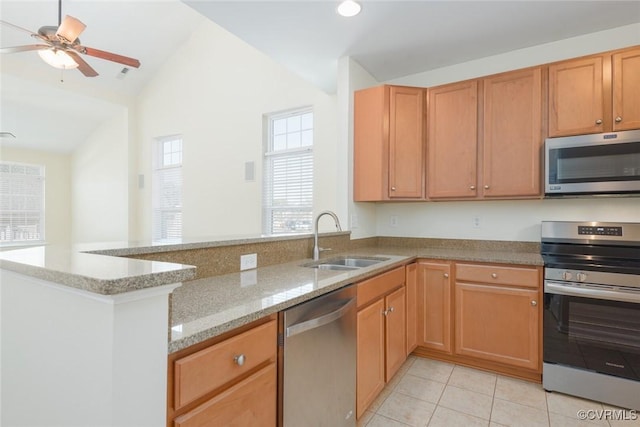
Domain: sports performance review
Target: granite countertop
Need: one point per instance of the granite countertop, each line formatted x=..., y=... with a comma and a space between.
x=208, y=307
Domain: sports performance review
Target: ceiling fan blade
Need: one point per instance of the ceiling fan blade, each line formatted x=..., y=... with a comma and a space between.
x=25, y=48
x=131, y=62
x=82, y=64
x=70, y=29
x=9, y=24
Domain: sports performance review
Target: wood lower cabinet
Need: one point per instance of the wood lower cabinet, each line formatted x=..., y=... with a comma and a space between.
x=497, y=314
x=230, y=380
x=381, y=334
x=434, y=308
x=388, y=143
x=411, y=288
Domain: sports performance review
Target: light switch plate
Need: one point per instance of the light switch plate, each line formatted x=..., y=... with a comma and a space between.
x=249, y=261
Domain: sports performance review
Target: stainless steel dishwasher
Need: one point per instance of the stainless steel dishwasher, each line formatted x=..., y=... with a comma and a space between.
x=318, y=361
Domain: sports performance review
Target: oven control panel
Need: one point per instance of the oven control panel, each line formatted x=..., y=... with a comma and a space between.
x=599, y=230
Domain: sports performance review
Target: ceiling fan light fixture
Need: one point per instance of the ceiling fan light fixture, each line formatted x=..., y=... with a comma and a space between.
x=70, y=29
x=349, y=8
x=57, y=58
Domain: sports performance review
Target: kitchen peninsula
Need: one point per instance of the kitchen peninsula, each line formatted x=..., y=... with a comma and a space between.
x=86, y=327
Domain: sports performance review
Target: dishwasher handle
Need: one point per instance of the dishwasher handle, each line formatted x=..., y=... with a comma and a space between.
x=316, y=322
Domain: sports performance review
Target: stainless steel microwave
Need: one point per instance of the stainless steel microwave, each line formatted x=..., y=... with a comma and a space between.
x=604, y=163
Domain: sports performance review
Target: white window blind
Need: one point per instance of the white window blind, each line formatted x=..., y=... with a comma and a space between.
x=288, y=173
x=21, y=202
x=167, y=189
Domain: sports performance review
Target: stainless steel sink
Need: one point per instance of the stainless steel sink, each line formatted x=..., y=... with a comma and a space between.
x=345, y=263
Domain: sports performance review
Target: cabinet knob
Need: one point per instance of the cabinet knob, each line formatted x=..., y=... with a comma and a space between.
x=473, y=187
x=486, y=187
x=391, y=309
x=446, y=275
x=618, y=119
x=599, y=121
x=494, y=275
x=393, y=188
x=384, y=313
x=534, y=303
x=239, y=359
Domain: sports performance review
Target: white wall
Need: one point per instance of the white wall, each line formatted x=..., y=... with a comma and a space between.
x=507, y=220
x=100, y=183
x=57, y=189
x=214, y=91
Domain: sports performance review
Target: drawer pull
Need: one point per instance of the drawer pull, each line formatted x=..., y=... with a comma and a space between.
x=494, y=275
x=239, y=359
x=446, y=275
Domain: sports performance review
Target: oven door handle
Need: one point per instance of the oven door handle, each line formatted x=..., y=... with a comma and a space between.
x=575, y=291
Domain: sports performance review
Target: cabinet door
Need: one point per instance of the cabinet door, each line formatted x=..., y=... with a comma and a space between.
x=452, y=141
x=626, y=90
x=411, y=287
x=499, y=324
x=396, y=332
x=434, y=309
x=576, y=97
x=251, y=402
x=370, y=355
x=406, y=142
x=512, y=134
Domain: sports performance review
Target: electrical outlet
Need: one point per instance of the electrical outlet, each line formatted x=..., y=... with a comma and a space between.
x=476, y=222
x=393, y=221
x=248, y=261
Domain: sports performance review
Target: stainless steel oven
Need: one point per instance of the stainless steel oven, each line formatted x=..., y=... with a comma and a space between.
x=591, y=323
x=605, y=163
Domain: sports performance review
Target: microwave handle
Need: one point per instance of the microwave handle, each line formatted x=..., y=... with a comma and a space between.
x=586, y=292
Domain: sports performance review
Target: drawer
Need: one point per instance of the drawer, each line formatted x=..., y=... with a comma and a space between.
x=251, y=402
x=499, y=275
x=204, y=371
x=374, y=288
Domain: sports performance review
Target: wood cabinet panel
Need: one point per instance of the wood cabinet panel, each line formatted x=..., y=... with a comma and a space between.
x=576, y=97
x=396, y=335
x=251, y=402
x=370, y=365
x=498, y=275
x=379, y=285
x=452, y=141
x=406, y=143
x=626, y=90
x=434, y=293
x=498, y=324
x=512, y=134
x=204, y=371
x=411, y=286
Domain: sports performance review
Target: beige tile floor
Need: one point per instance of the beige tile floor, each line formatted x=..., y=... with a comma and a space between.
x=431, y=393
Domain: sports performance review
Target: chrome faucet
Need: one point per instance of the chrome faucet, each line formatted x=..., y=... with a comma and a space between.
x=316, y=248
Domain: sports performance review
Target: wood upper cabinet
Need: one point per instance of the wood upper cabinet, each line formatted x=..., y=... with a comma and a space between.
x=389, y=143
x=577, y=103
x=626, y=90
x=497, y=314
x=411, y=287
x=600, y=93
x=512, y=134
x=434, y=308
x=381, y=334
x=452, y=142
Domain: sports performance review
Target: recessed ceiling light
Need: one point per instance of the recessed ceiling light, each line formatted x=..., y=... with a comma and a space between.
x=349, y=8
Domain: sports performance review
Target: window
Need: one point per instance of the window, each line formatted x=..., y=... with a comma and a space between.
x=21, y=202
x=167, y=189
x=288, y=173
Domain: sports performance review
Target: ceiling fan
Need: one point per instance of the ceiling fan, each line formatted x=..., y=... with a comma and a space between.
x=60, y=46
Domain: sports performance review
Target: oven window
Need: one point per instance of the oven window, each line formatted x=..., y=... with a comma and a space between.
x=598, y=335
x=612, y=162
